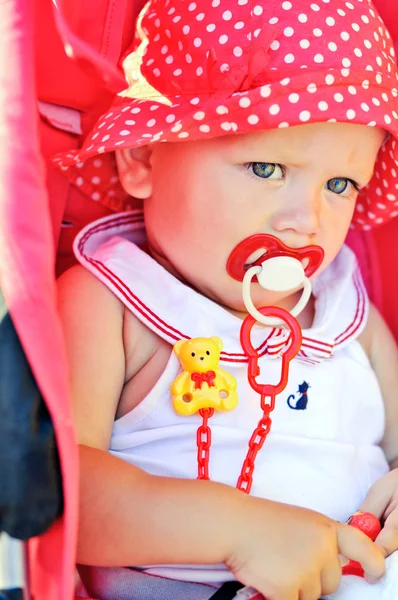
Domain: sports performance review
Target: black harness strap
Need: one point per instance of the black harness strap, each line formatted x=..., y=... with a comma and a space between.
x=227, y=591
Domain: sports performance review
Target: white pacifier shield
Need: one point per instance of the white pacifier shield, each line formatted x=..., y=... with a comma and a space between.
x=281, y=274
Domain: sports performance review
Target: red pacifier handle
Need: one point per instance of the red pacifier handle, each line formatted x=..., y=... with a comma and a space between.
x=237, y=261
x=369, y=524
x=252, y=354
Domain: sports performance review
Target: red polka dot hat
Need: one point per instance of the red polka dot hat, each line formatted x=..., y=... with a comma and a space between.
x=209, y=68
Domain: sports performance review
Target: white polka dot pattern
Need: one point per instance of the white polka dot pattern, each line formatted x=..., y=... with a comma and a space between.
x=210, y=68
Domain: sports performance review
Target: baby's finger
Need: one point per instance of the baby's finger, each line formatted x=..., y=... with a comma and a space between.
x=376, y=501
x=311, y=589
x=387, y=540
x=355, y=545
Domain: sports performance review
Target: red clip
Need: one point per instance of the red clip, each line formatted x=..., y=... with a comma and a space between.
x=252, y=354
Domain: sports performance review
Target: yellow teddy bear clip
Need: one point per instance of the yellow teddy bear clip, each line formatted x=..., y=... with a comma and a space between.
x=202, y=384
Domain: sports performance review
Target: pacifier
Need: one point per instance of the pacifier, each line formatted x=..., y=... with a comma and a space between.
x=278, y=268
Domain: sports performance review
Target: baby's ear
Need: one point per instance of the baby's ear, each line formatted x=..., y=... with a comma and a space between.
x=135, y=171
x=218, y=342
x=177, y=346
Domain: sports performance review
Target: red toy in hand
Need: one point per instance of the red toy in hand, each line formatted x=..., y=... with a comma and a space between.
x=370, y=525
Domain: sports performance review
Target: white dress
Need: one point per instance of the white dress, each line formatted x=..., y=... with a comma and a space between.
x=323, y=450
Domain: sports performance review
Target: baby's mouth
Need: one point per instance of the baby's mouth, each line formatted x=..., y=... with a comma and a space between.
x=257, y=257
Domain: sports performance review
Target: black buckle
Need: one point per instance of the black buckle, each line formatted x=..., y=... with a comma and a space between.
x=227, y=591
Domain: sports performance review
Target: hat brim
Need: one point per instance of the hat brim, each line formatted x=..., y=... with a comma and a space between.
x=342, y=97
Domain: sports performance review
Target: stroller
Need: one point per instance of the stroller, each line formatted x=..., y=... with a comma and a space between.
x=59, y=73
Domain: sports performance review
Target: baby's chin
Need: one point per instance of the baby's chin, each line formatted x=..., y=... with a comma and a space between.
x=227, y=292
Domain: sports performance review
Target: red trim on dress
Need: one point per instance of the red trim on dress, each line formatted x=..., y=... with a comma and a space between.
x=265, y=347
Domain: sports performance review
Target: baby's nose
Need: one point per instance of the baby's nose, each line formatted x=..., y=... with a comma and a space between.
x=301, y=214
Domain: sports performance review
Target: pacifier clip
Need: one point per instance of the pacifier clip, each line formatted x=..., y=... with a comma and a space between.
x=204, y=387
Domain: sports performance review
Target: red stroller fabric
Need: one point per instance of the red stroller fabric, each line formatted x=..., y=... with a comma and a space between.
x=26, y=276
x=28, y=230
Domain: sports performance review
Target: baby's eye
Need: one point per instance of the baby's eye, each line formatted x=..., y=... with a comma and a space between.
x=267, y=170
x=338, y=185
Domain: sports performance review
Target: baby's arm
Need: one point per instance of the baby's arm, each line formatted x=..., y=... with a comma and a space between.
x=128, y=517
x=383, y=353
x=382, y=499
x=122, y=521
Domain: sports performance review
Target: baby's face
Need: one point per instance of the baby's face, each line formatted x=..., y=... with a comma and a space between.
x=299, y=184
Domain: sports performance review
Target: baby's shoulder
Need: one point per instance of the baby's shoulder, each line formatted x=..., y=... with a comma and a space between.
x=83, y=297
x=87, y=303
x=109, y=349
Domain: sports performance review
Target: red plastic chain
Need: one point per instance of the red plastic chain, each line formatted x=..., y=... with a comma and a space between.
x=256, y=442
x=266, y=391
x=203, y=439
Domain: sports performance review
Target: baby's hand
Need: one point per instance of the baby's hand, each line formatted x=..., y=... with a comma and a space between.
x=382, y=501
x=287, y=552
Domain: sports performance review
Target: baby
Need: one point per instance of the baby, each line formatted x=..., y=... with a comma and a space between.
x=240, y=118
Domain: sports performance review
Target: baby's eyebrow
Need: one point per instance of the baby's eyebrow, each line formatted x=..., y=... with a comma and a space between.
x=279, y=153
x=240, y=147
x=361, y=172
x=364, y=178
